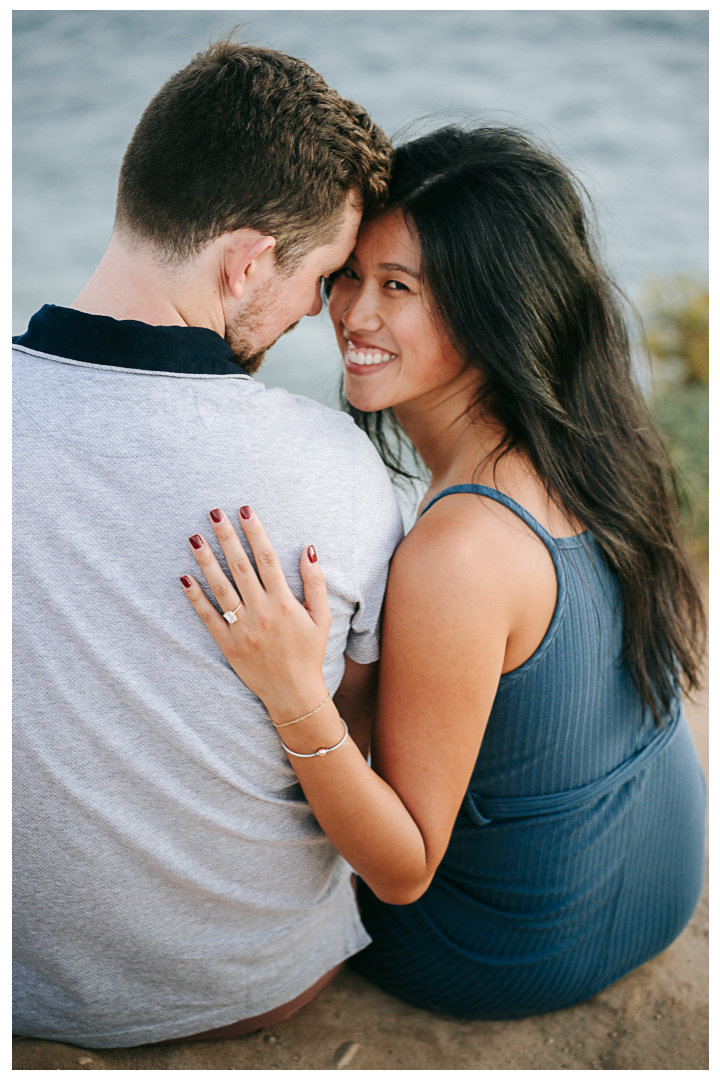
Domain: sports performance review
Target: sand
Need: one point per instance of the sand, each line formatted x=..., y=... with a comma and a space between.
x=654, y=1018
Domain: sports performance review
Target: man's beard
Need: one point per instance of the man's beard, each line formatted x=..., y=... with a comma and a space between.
x=248, y=361
x=242, y=348
x=242, y=334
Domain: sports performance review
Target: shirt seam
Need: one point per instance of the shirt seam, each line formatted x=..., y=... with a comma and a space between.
x=130, y=370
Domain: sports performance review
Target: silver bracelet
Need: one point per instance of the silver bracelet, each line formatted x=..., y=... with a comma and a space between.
x=305, y=716
x=323, y=749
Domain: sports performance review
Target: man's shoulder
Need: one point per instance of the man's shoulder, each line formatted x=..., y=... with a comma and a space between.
x=304, y=408
x=337, y=452
x=325, y=426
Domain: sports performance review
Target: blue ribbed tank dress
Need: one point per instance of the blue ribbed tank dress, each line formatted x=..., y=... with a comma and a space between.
x=578, y=851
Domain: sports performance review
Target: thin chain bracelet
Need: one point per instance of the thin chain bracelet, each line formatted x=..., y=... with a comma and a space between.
x=323, y=749
x=289, y=722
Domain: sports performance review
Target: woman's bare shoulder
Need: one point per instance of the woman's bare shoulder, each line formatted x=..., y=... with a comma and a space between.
x=469, y=554
x=466, y=528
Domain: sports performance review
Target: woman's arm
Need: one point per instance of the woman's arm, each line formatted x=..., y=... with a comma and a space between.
x=447, y=622
x=356, y=701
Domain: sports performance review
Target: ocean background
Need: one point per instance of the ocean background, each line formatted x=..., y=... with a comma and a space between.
x=621, y=96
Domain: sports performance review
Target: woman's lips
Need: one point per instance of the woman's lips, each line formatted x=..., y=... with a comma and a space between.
x=366, y=358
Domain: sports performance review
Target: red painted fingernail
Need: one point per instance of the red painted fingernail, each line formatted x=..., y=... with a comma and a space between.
x=187, y=582
x=312, y=554
x=245, y=512
x=216, y=515
x=196, y=541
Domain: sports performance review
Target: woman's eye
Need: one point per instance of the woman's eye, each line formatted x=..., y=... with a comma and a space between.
x=346, y=272
x=396, y=286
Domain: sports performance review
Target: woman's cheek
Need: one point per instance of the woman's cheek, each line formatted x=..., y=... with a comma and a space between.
x=341, y=296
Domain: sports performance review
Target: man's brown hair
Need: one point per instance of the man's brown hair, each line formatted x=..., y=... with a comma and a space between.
x=246, y=137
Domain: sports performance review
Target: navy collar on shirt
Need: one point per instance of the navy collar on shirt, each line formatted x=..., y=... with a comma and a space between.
x=98, y=339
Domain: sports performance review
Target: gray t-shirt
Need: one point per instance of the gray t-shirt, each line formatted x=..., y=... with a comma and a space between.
x=171, y=877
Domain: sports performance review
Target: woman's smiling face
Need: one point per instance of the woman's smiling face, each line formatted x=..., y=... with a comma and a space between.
x=392, y=349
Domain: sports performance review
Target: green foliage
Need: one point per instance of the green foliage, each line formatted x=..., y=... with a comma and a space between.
x=676, y=315
x=682, y=416
x=677, y=326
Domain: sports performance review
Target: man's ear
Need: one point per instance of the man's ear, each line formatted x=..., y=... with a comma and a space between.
x=248, y=258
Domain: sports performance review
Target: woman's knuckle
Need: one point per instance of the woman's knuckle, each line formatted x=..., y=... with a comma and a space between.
x=205, y=616
x=267, y=557
x=240, y=566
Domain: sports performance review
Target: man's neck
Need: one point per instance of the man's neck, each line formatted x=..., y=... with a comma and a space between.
x=130, y=284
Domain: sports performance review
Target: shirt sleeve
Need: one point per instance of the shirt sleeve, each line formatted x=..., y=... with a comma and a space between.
x=378, y=531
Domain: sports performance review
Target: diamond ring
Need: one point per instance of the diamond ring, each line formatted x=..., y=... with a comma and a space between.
x=231, y=616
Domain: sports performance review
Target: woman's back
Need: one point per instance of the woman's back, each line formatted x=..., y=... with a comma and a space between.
x=578, y=850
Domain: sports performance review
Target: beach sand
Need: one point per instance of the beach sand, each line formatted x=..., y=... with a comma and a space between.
x=654, y=1018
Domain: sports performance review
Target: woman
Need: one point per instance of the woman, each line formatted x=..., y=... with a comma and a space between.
x=531, y=828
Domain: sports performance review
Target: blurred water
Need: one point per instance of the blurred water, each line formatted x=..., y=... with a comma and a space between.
x=621, y=95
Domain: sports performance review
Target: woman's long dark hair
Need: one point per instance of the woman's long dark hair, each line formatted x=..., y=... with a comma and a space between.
x=509, y=267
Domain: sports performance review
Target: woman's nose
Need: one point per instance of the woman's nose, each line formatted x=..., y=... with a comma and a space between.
x=362, y=313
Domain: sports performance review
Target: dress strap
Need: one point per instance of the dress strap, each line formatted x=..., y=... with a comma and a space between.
x=556, y=553
x=505, y=500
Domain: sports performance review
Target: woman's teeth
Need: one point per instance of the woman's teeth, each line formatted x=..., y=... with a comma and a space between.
x=368, y=356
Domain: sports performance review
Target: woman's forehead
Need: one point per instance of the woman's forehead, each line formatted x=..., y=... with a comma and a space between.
x=388, y=239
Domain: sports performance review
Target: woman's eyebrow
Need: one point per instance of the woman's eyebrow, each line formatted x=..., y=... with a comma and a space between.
x=401, y=268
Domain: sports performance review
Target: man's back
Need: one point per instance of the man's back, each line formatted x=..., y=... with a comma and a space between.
x=173, y=877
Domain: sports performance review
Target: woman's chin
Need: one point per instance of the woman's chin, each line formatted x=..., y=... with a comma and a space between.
x=364, y=386
x=359, y=397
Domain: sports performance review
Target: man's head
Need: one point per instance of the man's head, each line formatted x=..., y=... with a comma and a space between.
x=246, y=138
x=259, y=316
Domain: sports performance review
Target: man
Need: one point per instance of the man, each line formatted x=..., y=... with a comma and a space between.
x=171, y=880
